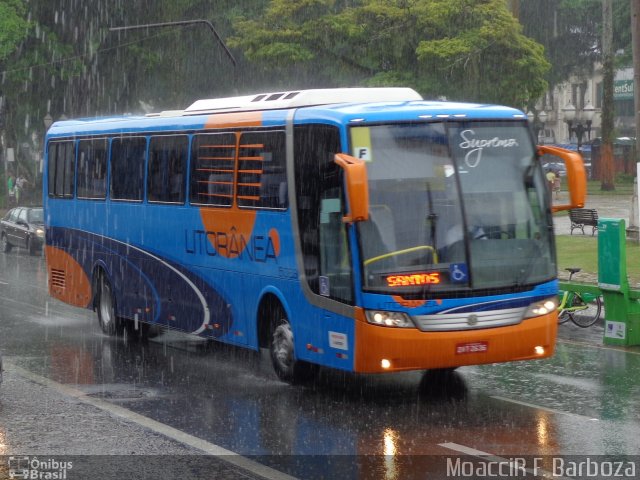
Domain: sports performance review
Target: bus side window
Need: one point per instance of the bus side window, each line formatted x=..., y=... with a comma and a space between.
x=262, y=174
x=212, y=168
x=127, y=168
x=61, y=169
x=92, y=168
x=167, y=164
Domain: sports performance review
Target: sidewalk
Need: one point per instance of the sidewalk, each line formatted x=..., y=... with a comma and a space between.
x=593, y=335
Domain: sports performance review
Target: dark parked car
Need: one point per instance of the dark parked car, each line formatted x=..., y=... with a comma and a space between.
x=22, y=227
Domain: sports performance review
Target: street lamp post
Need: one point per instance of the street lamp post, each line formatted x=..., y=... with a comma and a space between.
x=48, y=121
x=579, y=121
x=537, y=121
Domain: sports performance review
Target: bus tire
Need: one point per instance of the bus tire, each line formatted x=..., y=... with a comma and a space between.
x=282, y=351
x=443, y=383
x=106, y=308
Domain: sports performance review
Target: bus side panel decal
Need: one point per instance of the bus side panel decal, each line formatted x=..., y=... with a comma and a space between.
x=68, y=281
x=228, y=231
x=153, y=288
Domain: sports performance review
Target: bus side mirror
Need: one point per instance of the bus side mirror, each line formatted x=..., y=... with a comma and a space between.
x=576, y=176
x=357, y=187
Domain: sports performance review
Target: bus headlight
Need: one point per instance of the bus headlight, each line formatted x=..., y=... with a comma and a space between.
x=389, y=319
x=543, y=307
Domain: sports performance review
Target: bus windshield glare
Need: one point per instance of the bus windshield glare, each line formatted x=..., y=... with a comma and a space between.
x=453, y=205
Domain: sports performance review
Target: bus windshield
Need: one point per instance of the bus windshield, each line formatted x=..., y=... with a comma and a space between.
x=453, y=206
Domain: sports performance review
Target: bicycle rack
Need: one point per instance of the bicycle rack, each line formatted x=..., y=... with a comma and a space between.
x=621, y=302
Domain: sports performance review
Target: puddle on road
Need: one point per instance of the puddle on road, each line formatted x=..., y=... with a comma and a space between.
x=120, y=392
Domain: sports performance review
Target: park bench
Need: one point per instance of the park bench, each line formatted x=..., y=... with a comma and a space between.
x=583, y=217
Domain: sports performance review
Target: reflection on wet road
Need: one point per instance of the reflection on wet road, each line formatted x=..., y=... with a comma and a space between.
x=581, y=401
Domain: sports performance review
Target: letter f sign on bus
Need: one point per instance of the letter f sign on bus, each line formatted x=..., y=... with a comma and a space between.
x=361, y=140
x=363, y=154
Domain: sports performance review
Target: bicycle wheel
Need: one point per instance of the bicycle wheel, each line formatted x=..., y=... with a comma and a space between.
x=589, y=315
x=564, y=316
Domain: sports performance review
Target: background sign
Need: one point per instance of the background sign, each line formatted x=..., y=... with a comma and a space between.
x=623, y=90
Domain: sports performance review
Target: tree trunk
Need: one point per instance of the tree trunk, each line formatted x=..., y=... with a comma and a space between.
x=606, y=153
x=635, y=39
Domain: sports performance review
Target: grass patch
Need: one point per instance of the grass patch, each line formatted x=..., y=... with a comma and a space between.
x=594, y=187
x=574, y=251
x=582, y=252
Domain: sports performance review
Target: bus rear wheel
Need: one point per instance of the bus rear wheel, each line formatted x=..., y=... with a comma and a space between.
x=282, y=351
x=106, y=308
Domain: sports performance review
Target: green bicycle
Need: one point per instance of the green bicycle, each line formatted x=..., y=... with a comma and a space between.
x=583, y=309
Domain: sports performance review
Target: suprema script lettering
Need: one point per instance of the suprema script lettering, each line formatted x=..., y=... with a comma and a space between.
x=477, y=145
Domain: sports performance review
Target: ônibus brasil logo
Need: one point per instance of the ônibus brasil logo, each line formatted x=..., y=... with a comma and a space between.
x=38, y=469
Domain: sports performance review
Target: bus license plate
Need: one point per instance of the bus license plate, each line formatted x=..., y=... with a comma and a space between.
x=472, y=347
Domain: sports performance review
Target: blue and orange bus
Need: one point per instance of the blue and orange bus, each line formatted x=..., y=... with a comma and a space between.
x=363, y=229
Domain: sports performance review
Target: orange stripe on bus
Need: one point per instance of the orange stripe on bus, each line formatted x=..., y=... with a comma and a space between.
x=275, y=239
x=234, y=223
x=408, y=303
x=237, y=119
x=67, y=280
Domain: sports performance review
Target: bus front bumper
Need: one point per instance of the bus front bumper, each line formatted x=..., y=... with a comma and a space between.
x=383, y=349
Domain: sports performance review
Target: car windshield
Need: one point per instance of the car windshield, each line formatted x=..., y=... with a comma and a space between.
x=36, y=215
x=453, y=206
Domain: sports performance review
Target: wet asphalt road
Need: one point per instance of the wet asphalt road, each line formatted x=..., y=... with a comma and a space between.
x=70, y=390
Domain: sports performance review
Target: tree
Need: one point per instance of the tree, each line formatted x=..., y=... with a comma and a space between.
x=13, y=26
x=65, y=61
x=606, y=158
x=569, y=31
x=465, y=50
x=13, y=29
x=30, y=72
x=635, y=30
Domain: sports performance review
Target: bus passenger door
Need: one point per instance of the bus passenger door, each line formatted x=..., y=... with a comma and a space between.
x=326, y=256
x=335, y=262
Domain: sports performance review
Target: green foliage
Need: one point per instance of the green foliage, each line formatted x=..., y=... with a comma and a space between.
x=13, y=26
x=622, y=32
x=571, y=32
x=466, y=50
x=489, y=58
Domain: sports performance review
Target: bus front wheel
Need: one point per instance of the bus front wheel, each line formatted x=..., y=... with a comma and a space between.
x=106, y=308
x=282, y=351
